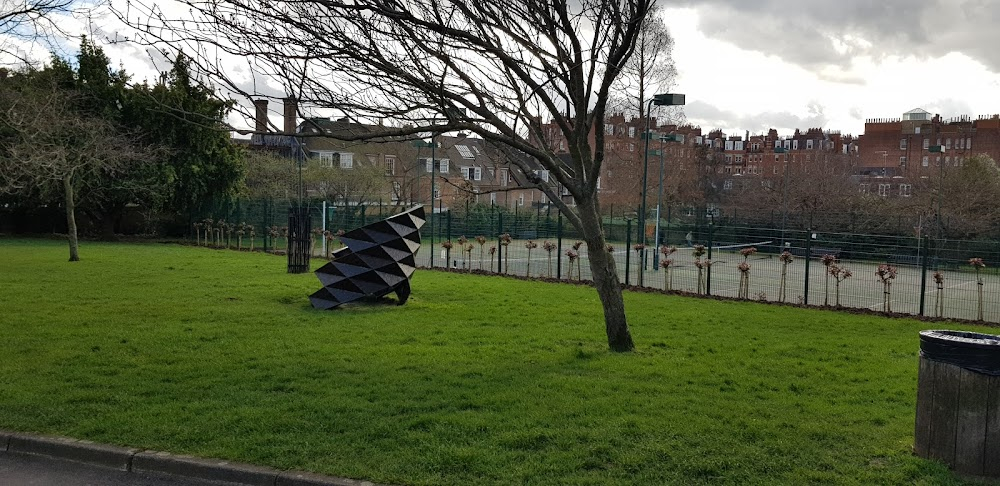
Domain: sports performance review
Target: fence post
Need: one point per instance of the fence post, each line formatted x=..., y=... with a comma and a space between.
x=448, y=264
x=499, y=246
x=923, y=274
x=628, y=243
x=559, y=246
x=708, y=272
x=809, y=233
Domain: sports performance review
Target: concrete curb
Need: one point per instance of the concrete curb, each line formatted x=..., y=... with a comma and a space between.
x=74, y=450
x=209, y=469
x=307, y=479
x=135, y=460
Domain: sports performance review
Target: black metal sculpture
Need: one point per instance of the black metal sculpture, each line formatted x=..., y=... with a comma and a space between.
x=377, y=259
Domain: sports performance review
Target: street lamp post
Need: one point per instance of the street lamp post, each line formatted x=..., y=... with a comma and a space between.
x=659, y=199
x=784, y=195
x=450, y=112
x=939, y=149
x=430, y=219
x=666, y=99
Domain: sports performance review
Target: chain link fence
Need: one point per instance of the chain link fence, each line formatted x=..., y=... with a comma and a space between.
x=687, y=251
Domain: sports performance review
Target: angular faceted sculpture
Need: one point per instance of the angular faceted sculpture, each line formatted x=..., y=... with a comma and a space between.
x=377, y=259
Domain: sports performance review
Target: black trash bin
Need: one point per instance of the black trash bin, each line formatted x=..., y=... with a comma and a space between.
x=958, y=401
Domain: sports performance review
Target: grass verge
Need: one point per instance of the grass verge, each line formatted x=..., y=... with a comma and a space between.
x=476, y=380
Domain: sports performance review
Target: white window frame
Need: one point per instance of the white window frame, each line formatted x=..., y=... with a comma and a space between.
x=905, y=190
x=346, y=160
x=883, y=189
x=472, y=173
x=390, y=165
x=442, y=165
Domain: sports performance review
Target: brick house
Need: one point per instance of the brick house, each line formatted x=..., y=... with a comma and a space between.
x=465, y=168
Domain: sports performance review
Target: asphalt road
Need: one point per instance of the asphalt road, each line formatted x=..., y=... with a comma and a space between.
x=28, y=470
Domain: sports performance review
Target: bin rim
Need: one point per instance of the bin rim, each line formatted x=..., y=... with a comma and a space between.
x=962, y=338
x=972, y=351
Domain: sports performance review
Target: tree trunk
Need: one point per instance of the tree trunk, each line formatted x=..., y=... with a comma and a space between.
x=74, y=245
x=605, y=276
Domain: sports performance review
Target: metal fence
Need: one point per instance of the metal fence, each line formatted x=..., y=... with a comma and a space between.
x=920, y=276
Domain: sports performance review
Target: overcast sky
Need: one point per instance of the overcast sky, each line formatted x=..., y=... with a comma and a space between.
x=786, y=64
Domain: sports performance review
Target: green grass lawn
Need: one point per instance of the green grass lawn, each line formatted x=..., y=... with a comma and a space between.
x=476, y=380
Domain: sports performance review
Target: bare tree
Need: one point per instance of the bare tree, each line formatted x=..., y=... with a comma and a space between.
x=29, y=21
x=53, y=147
x=270, y=176
x=358, y=186
x=492, y=67
x=650, y=70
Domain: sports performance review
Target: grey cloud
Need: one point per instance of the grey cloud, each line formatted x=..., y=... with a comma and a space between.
x=802, y=32
x=710, y=117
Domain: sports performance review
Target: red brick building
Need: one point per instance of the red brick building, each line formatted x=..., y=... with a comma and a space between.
x=897, y=152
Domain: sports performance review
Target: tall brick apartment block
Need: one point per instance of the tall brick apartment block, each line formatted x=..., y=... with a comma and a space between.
x=896, y=153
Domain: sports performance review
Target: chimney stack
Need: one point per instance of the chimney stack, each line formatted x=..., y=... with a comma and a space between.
x=291, y=114
x=261, y=117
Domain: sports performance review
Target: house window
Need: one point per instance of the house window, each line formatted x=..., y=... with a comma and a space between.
x=504, y=177
x=346, y=160
x=865, y=188
x=795, y=144
x=397, y=192
x=472, y=173
x=925, y=161
x=631, y=132
x=441, y=165
x=520, y=200
x=904, y=190
x=968, y=144
x=598, y=183
x=809, y=144
x=464, y=151
x=326, y=159
x=883, y=189
x=543, y=175
x=493, y=198
x=728, y=184
x=562, y=145
x=902, y=161
x=902, y=144
x=609, y=129
x=947, y=143
x=927, y=143
x=390, y=165
x=437, y=193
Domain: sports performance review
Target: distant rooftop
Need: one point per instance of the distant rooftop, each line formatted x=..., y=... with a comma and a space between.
x=917, y=114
